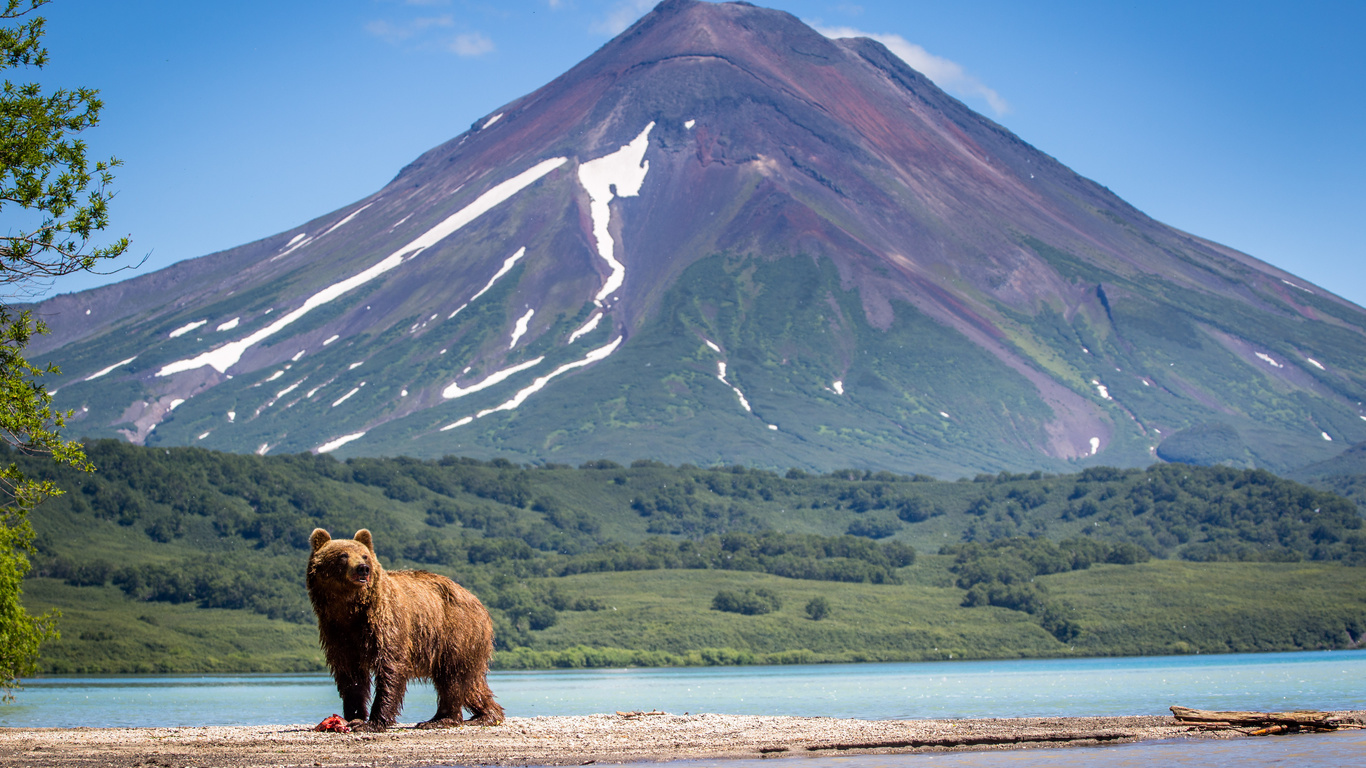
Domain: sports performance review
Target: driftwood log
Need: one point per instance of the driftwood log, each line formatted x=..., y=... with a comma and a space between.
x=1263, y=723
x=950, y=742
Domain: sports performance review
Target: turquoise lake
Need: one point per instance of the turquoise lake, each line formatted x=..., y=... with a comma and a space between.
x=1320, y=750
x=1016, y=688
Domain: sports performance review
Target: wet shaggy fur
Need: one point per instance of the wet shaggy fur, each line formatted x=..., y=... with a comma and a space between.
x=395, y=627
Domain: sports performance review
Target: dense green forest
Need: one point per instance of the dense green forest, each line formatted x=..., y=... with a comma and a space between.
x=186, y=560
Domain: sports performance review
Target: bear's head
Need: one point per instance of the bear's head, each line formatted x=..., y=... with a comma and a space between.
x=345, y=566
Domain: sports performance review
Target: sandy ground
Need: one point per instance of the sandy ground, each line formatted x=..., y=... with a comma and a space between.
x=577, y=740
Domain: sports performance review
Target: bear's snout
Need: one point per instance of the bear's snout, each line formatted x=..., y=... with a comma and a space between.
x=360, y=573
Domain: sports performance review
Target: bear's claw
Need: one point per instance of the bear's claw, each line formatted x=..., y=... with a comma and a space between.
x=445, y=722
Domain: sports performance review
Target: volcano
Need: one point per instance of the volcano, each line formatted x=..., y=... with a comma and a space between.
x=725, y=238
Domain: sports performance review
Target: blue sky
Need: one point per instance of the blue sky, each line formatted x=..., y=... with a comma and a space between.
x=1239, y=121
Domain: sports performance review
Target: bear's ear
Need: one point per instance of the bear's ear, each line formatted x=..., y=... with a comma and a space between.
x=319, y=538
x=363, y=536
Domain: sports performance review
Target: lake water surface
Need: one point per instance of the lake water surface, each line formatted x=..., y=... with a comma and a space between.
x=1017, y=688
x=1319, y=750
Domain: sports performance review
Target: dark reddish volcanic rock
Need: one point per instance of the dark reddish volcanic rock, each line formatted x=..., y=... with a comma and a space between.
x=811, y=256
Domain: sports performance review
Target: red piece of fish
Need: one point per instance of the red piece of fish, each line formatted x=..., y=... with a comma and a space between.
x=333, y=724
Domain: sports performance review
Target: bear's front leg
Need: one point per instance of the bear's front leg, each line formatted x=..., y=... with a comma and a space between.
x=390, y=687
x=354, y=687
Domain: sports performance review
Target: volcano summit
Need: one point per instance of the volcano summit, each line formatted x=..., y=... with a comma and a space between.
x=725, y=238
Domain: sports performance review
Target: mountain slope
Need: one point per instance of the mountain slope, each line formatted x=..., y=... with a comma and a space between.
x=724, y=237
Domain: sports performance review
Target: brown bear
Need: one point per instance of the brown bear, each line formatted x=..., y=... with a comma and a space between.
x=398, y=626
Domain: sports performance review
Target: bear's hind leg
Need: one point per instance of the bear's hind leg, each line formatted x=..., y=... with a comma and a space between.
x=449, y=701
x=483, y=709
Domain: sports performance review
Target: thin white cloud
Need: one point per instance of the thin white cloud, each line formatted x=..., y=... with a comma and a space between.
x=471, y=44
x=394, y=34
x=622, y=15
x=948, y=75
x=418, y=32
x=389, y=33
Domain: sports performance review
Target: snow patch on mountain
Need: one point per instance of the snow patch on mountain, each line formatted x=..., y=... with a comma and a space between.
x=224, y=357
x=539, y=384
x=1316, y=363
x=348, y=395
x=455, y=390
x=184, y=329
x=1269, y=360
x=503, y=270
x=228, y=326
x=519, y=330
x=106, y=371
x=299, y=241
x=721, y=374
x=619, y=174
x=333, y=445
x=586, y=327
x=345, y=220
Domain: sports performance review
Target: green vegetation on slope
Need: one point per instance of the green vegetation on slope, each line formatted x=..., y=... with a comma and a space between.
x=666, y=618
x=1167, y=352
x=786, y=329
x=629, y=561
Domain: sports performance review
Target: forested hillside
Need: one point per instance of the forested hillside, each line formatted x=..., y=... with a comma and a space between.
x=171, y=544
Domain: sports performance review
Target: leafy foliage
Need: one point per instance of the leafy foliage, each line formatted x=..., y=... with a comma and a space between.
x=267, y=586
x=1205, y=444
x=61, y=203
x=20, y=633
x=190, y=528
x=1002, y=573
x=795, y=556
x=43, y=169
x=751, y=602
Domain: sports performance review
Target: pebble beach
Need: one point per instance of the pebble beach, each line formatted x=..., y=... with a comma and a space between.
x=577, y=740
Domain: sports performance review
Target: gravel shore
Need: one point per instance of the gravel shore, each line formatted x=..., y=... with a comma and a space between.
x=614, y=738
